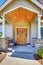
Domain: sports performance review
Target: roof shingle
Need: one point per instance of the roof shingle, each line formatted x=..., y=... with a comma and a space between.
x=40, y=1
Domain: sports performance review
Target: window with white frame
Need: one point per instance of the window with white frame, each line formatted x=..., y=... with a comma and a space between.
x=42, y=32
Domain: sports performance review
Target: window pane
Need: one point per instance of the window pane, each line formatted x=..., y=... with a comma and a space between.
x=42, y=32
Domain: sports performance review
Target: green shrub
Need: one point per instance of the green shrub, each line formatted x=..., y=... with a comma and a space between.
x=40, y=52
x=0, y=34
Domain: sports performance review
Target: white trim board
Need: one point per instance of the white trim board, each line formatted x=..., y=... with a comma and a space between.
x=22, y=7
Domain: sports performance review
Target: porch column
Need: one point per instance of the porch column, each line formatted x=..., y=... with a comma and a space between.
x=3, y=27
x=39, y=26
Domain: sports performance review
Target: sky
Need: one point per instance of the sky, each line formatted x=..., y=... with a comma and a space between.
x=2, y=1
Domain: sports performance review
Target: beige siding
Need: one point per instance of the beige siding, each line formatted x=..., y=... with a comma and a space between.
x=8, y=31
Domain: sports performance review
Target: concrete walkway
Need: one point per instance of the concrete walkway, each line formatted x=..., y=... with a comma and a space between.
x=18, y=61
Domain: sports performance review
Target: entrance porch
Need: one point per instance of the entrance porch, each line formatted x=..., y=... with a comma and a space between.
x=27, y=22
x=23, y=18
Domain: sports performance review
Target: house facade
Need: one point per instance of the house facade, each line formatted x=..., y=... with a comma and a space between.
x=22, y=20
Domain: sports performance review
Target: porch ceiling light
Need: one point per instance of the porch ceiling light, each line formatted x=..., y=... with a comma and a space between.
x=14, y=17
x=28, y=17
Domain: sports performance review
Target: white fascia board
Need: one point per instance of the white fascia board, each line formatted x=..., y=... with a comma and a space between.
x=18, y=7
x=37, y=3
x=6, y=3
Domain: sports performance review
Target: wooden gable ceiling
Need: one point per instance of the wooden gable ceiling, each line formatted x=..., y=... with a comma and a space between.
x=20, y=14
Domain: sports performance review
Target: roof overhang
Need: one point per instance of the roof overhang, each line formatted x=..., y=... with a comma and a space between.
x=37, y=3
x=6, y=3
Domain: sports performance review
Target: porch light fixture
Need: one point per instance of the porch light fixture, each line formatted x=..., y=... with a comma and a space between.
x=28, y=17
x=14, y=17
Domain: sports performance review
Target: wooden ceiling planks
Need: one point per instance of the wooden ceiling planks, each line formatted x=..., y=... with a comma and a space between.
x=20, y=14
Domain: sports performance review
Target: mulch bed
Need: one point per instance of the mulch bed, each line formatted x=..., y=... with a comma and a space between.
x=38, y=58
x=2, y=56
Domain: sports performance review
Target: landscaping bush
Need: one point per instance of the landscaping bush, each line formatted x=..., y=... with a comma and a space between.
x=0, y=34
x=40, y=52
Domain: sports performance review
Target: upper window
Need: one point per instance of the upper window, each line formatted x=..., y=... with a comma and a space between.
x=2, y=2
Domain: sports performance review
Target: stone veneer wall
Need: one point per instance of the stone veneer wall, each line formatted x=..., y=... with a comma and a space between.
x=3, y=43
x=38, y=43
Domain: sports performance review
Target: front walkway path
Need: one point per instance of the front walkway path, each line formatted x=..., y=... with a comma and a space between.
x=18, y=61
